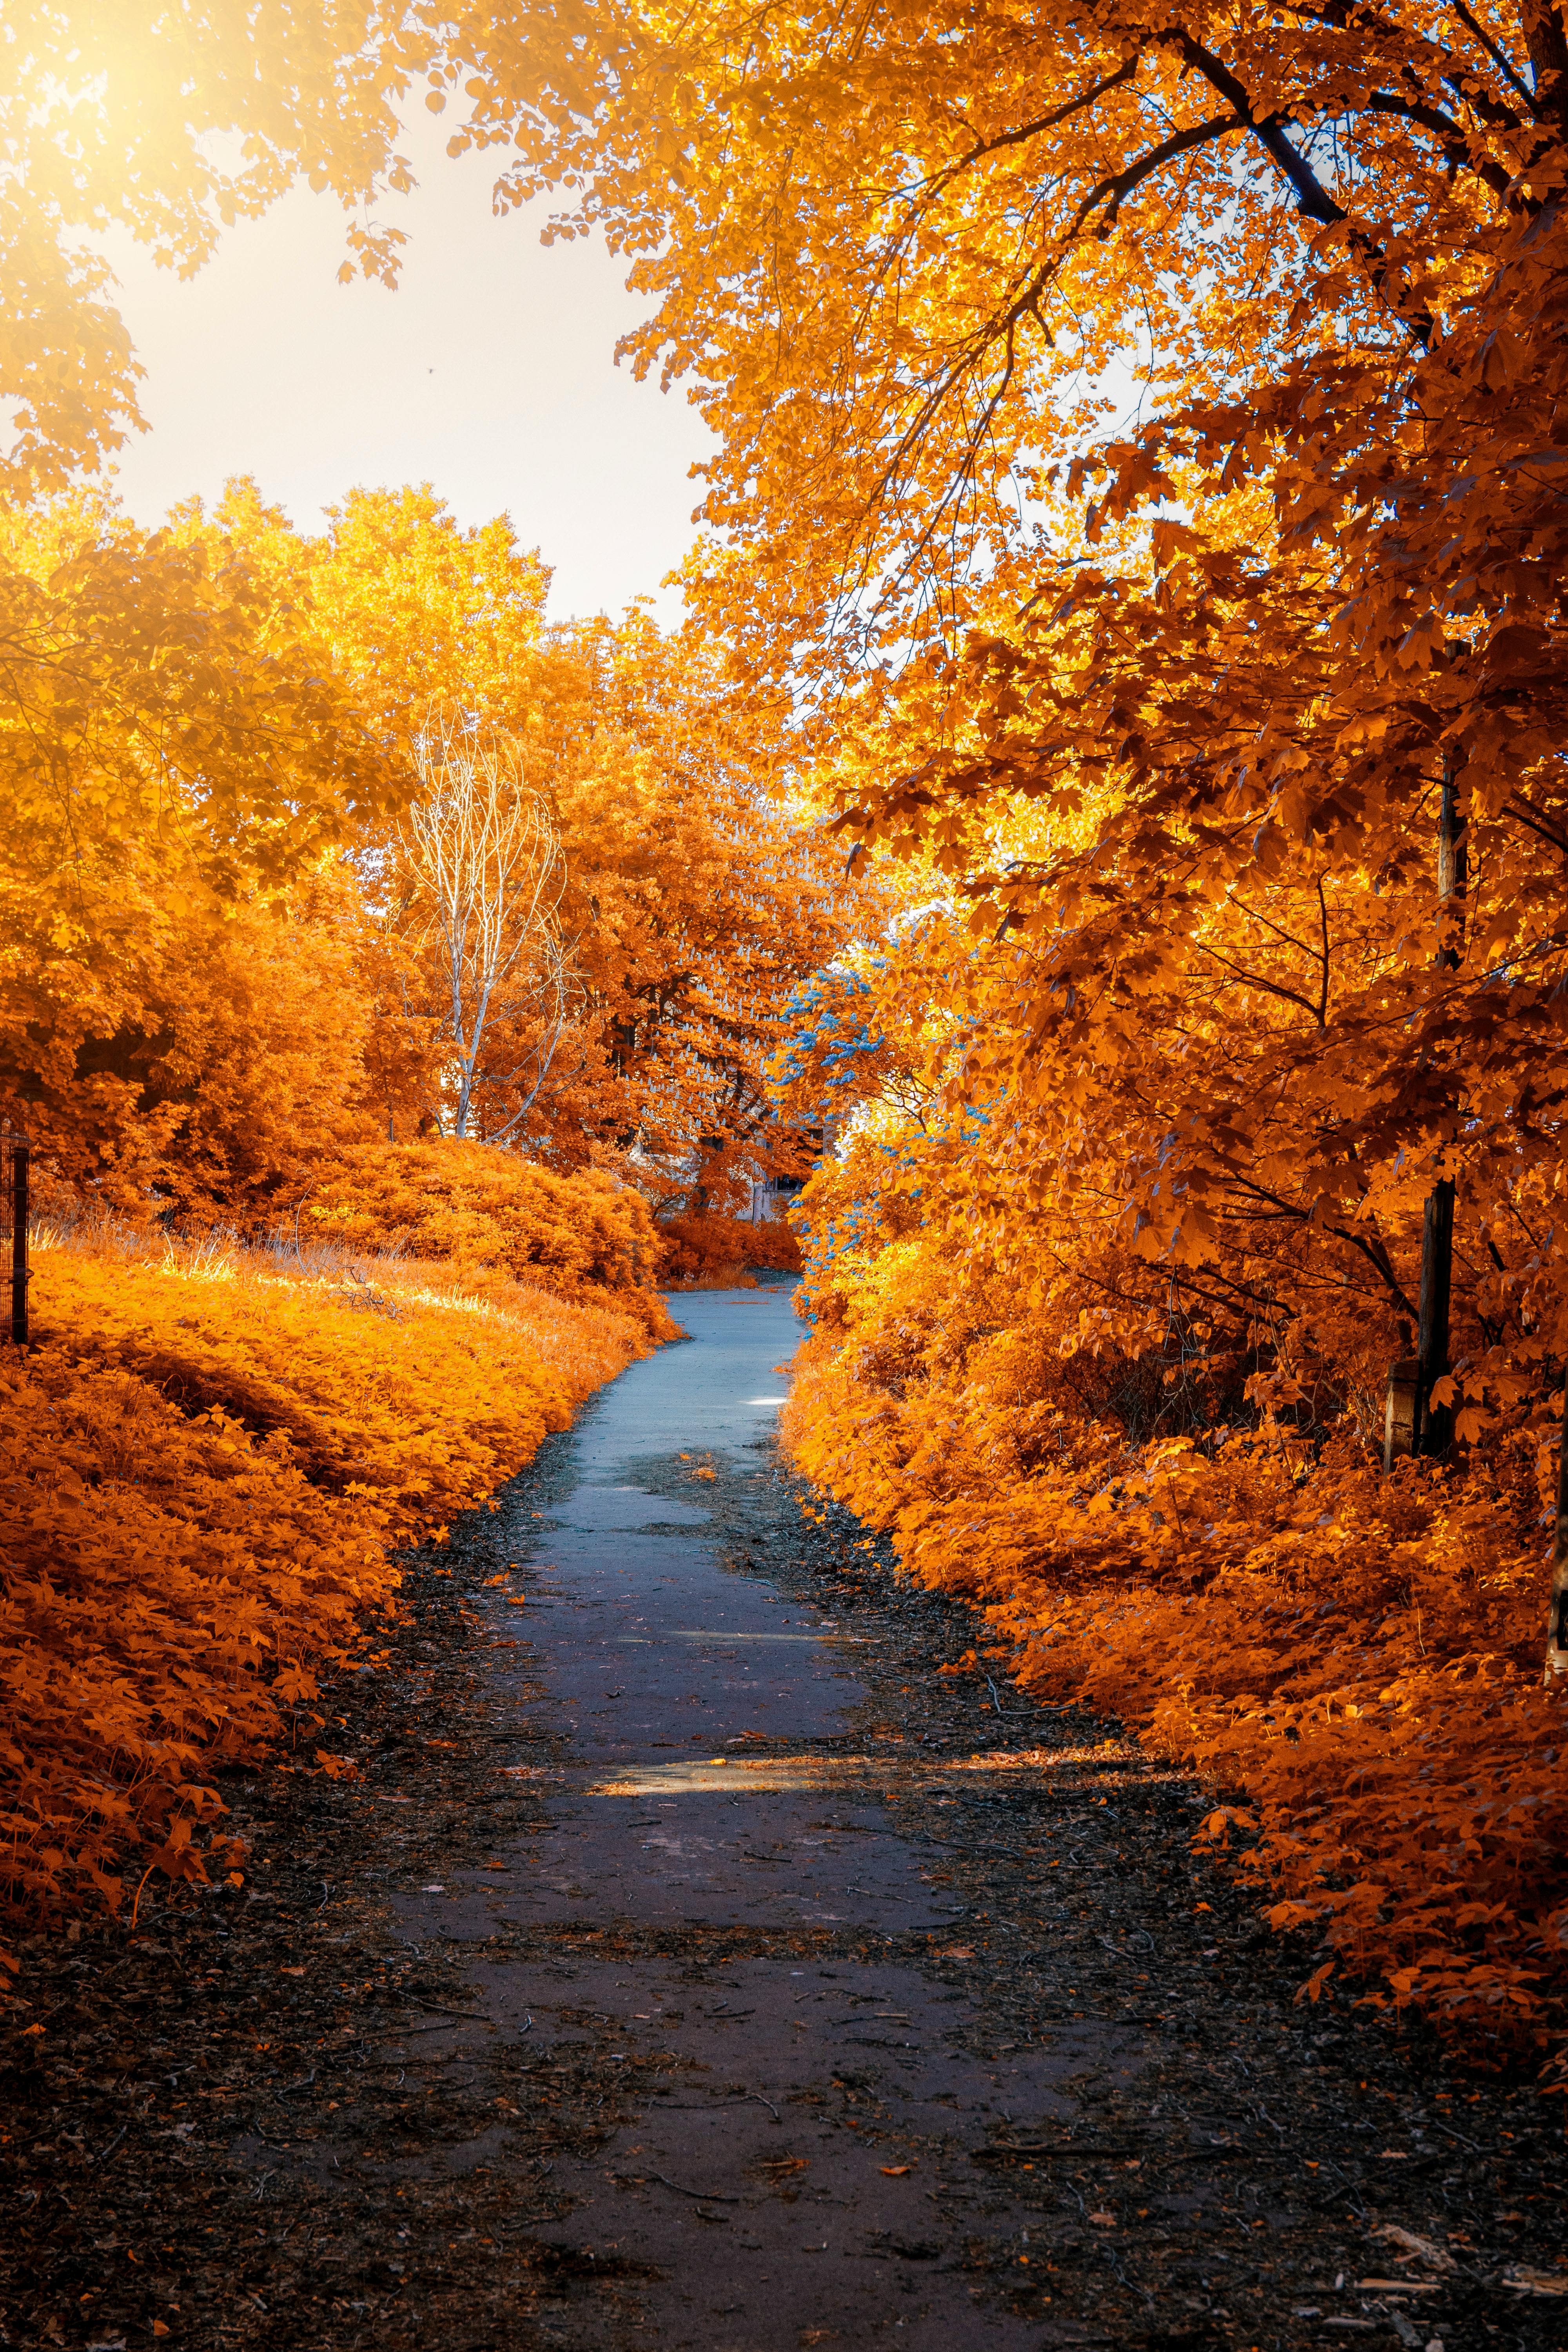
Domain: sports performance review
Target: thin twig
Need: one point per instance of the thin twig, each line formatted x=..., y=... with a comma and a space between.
x=703, y=2196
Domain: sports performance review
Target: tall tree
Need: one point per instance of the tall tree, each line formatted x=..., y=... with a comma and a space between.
x=695, y=895
x=897, y=250
x=176, y=763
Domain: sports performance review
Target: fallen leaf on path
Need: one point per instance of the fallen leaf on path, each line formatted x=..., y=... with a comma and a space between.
x=895, y=2171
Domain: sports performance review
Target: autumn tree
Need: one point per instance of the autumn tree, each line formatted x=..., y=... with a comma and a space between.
x=180, y=778
x=892, y=268
x=1328, y=246
x=177, y=766
x=115, y=122
x=1222, y=734
x=701, y=897
x=695, y=895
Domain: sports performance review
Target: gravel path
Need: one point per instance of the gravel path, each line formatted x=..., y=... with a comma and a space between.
x=694, y=1965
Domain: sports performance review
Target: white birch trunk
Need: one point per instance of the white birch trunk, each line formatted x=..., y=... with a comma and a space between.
x=487, y=860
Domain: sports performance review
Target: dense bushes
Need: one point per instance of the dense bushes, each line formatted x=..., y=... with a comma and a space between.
x=1359, y=1656
x=205, y=1462
x=705, y=1252
x=489, y=1213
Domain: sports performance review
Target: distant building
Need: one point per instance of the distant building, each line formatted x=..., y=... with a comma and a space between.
x=771, y=1198
x=770, y=1195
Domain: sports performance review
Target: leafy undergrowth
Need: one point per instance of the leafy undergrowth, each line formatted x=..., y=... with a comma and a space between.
x=498, y=1219
x=1359, y=1656
x=706, y=1252
x=206, y=1460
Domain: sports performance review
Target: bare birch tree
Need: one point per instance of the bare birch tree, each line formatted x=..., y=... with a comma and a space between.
x=487, y=860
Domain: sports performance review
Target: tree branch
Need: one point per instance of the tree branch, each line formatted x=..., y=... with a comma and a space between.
x=1526, y=813
x=1121, y=185
x=1059, y=115
x=1443, y=127
x=1499, y=56
x=1374, y=1251
x=1313, y=197
x=1273, y=987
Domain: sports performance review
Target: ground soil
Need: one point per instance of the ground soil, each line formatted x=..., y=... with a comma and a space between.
x=394, y=2090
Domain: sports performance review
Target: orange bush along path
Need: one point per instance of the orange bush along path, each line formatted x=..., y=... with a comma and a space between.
x=1358, y=1656
x=202, y=1467
x=584, y=1236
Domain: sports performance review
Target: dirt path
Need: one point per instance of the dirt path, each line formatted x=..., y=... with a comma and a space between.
x=694, y=1966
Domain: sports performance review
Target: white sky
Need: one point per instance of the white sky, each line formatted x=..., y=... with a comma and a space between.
x=489, y=374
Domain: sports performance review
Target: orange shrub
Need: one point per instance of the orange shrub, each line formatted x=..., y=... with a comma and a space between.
x=1359, y=1657
x=490, y=1212
x=204, y=1463
x=712, y=1252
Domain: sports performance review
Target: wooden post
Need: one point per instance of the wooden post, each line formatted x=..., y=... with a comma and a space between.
x=1434, y=1430
x=19, y=1245
x=1399, y=1409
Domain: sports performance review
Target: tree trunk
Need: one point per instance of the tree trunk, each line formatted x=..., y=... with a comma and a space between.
x=1557, y=1609
x=1434, y=1425
x=19, y=1245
